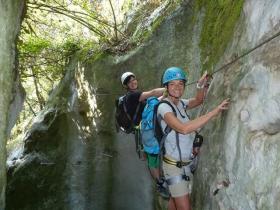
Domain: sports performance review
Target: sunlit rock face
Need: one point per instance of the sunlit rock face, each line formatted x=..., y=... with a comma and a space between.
x=242, y=146
x=72, y=149
x=70, y=159
x=52, y=165
x=10, y=20
x=72, y=156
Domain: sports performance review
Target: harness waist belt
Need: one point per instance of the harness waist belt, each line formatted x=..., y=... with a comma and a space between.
x=179, y=164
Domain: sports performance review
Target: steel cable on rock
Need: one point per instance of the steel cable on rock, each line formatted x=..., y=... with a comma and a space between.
x=241, y=56
x=225, y=66
x=222, y=67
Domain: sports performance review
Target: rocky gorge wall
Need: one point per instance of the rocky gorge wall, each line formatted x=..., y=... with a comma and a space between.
x=11, y=97
x=242, y=148
x=70, y=159
x=75, y=136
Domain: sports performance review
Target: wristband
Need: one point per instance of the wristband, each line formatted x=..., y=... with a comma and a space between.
x=199, y=86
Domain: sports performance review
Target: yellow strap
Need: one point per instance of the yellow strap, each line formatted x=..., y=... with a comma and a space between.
x=169, y=162
x=174, y=162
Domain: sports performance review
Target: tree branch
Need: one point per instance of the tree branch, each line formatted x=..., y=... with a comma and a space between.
x=115, y=22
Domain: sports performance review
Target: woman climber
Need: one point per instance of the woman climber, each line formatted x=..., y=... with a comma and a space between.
x=178, y=143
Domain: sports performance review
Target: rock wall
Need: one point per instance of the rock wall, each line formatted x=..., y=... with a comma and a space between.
x=241, y=147
x=70, y=158
x=11, y=97
x=51, y=164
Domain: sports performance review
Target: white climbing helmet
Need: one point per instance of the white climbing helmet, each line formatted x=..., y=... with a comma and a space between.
x=125, y=76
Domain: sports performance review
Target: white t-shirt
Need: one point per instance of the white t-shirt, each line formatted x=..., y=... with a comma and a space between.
x=185, y=141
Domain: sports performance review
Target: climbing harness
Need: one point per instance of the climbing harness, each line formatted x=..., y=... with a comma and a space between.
x=179, y=164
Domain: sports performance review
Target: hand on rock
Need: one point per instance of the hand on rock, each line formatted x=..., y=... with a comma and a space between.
x=224, y=105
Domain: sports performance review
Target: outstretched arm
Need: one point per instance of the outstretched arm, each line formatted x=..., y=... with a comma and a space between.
x=198, y=100
x=155, y=92
x=201, y=91
x=193, y=125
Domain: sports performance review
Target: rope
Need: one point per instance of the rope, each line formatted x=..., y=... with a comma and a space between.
x=224, y=66
x=230, y=63
x=241, y=56
x=106, y=94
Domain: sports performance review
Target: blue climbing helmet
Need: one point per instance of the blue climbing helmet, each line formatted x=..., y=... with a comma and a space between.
x=173, y=73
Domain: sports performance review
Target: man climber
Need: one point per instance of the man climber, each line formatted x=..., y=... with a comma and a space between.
x=135, y=103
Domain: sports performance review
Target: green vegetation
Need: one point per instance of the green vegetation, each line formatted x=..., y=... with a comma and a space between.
x=144, y=33
x=218, y=26
x=41, y=66
x=127, y=5
x=54, y=30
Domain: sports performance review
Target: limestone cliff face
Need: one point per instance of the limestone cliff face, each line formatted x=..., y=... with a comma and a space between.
x=70, y=158
x=54, y=161
x=11, y=98
x=242, y=146
x=75, y=137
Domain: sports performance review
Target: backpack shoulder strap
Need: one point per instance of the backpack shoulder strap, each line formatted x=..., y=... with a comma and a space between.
x=185, y=108
x=125, y=109
x=176, y=133
x=167, y=128
x=167, y=102
x=132, y=120
x=183, y=104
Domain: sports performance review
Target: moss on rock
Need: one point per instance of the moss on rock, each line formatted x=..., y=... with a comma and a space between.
x=218, y=27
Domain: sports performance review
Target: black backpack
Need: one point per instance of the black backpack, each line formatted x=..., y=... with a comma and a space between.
x=122, y=118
